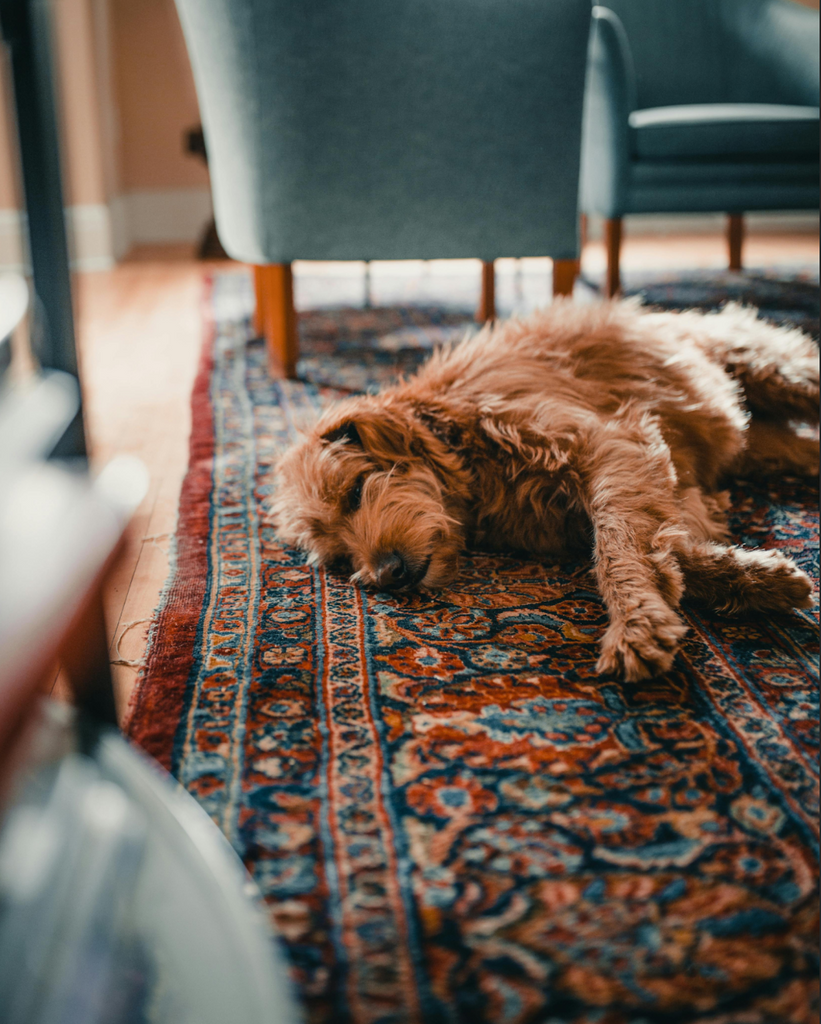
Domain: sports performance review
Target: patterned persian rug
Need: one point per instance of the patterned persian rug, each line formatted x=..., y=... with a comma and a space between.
x=450, y=817
x=793, y=301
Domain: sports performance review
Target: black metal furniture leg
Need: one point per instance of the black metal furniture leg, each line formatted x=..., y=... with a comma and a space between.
x=26, y=29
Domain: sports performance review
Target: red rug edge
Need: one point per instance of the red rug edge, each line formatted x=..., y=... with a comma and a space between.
x=156, y=703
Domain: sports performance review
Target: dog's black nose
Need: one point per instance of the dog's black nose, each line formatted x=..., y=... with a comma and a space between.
x=391, y=572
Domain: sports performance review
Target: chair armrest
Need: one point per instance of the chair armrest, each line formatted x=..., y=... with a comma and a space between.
x=610, y=97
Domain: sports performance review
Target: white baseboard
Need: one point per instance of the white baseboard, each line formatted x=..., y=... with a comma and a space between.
x=120, y=227
x=99, y=235
x=89, y=231
x=168, y=215
x=13, y=248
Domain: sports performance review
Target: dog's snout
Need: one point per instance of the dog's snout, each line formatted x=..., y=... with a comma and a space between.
x=391, y=572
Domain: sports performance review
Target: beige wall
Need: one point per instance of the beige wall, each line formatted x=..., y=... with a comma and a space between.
x=78, y=93
x=9, y=185
x=155, y=96
x=79, y=100
x=125, y=97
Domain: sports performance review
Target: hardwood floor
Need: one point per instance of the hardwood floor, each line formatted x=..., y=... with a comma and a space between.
x=140, y=331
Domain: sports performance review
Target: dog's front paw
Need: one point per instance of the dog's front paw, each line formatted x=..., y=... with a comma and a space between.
x=642, y=644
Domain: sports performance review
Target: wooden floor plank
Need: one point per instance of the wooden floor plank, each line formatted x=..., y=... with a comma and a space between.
x=120, y=578
x=140, y=332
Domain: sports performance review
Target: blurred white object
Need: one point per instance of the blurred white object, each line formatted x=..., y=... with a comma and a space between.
x=122, y=903
x=57, y=533
x=69, y=857
x=34, y=414
x=123, y=483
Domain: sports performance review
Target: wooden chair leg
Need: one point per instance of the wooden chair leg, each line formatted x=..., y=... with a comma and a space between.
x=275, y=305
x=612, y=243
x=487, y=300
x=735, y=238
x=582, y=231
x=565, y=273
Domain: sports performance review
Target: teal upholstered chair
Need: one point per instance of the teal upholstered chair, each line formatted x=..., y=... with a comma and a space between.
x=697, y=106
x=363, y=130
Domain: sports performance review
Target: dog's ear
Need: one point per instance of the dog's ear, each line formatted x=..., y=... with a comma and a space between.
x=384, y=430
x=344, y=432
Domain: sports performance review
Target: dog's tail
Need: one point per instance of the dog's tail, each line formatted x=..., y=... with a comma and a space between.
x=777, y=367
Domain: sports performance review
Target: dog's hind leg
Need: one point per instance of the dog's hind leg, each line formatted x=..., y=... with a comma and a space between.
x=777, y=367
x=734, y=580
x=774, y=449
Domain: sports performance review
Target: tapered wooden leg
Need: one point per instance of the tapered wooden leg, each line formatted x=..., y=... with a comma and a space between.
x=735, y=238
x=565, y=273
x=487, y=300
x=582, y=231
x=612, y=243
x=275, y=307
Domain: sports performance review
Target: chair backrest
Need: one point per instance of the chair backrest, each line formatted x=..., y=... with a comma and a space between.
x=372, y=130
x=721, y=51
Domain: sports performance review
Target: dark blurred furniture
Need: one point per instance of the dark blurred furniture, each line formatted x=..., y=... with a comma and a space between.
x=60, y=532
x=373, y=131
x=700, y=106
x=26, y=30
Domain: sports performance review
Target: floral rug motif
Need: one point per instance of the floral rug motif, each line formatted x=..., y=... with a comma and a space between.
x=362, y=349
x=451, y=818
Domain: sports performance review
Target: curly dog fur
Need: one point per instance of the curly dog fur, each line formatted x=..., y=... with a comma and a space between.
x=605, y=428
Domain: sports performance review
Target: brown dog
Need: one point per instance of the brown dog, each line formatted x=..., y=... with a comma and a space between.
x=601, y=427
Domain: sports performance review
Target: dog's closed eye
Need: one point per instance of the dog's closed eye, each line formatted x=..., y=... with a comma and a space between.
x=353, y=499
